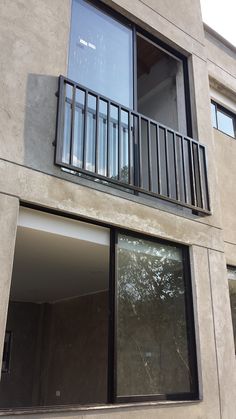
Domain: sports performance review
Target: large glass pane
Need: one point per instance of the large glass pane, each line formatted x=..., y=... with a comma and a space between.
x=101, y=53
x=225, y=123
x=152, y=338
x=232, y=293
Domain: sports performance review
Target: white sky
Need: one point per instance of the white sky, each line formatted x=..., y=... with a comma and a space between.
x=221, y=16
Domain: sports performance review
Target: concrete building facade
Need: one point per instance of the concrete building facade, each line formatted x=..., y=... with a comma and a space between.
x=56, y=223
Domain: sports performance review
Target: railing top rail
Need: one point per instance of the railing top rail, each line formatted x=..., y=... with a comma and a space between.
x=129, y=110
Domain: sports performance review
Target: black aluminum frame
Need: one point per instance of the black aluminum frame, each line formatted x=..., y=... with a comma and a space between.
x=227, y=113
x=190, y=325
x=189, y=306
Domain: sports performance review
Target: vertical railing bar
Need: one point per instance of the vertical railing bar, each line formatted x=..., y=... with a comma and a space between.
x=130, y=142
x=200, y=177
x=207, y=181
x=85, y=127
x=61, y=119
x=108, y=139
x=72, y=131
x=192, y=166
x=135, y=150
x=167, y=164
x=140, y=151
x=150, y=168
x=184, y=171
x=97, y=134
x=176, y=168
x=119, y=143
x=158, y=160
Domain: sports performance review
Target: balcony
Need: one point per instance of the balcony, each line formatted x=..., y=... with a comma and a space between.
x=104, y=140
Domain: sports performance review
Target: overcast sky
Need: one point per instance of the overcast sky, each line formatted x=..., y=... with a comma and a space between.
x=221, y=16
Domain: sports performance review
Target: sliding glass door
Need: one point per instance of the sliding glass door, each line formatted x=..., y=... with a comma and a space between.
x=101, y=56
x=154, y=349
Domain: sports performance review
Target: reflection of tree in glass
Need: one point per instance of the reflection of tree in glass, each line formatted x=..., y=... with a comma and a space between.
x=124, y=175
x=152, y=341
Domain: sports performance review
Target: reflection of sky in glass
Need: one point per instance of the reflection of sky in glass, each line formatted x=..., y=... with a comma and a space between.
x=225, y=123
x=101, y=53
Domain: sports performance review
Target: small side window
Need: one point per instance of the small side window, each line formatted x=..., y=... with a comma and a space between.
x=223, y=120
x=232, y=293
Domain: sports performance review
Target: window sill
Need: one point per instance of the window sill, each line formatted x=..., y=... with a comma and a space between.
x=94, y=409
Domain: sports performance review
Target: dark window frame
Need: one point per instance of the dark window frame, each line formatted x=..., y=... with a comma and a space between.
x=112, y=398
x=226, y=112
x=136, y=29
x=190, y=324
x=231, y=267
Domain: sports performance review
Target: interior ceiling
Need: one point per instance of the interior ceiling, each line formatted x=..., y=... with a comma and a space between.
x=147, y=56
x=50, y=267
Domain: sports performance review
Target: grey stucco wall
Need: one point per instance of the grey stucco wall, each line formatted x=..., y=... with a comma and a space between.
x=34, y=46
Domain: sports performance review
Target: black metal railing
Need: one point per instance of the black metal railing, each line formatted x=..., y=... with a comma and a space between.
x=103, y=139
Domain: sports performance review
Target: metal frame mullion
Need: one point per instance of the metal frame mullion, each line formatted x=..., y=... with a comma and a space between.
x=60, y=119
x=135, y=72
x=111, y=371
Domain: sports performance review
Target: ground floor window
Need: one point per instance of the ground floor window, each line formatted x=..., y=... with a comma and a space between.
x=96, y=315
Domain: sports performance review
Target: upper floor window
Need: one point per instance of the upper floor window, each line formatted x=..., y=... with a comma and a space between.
x=116, y=59
x=223, y=119
x=122, y=112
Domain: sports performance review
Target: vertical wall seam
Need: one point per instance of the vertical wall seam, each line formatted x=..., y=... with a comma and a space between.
x=214, y=331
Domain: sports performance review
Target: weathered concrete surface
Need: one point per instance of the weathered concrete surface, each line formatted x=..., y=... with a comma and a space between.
x=225, y=157
x=230, y=253
x=204, y=325
x=33, y=43
x=226, y=362
x=55, y=193
x=181, y=28
x=203, y=126
x=9, y=207
x=221, y=61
